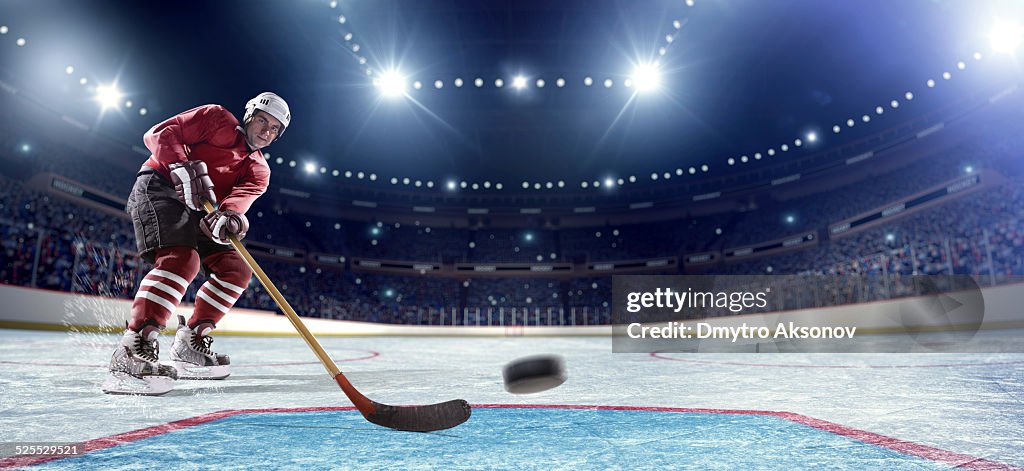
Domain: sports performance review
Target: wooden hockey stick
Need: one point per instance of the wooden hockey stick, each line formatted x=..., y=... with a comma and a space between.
x=423, y=418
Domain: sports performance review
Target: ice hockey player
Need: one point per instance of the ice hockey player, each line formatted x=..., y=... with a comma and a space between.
x=200, y=154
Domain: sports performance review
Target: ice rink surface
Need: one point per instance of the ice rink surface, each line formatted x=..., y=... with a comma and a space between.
x=768, y=411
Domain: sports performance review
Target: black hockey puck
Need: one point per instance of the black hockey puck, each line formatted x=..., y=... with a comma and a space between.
x=534, y=374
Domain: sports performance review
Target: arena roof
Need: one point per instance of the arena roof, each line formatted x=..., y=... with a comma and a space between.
x=739, y=79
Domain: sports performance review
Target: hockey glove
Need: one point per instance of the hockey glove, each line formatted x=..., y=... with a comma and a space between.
x=192, y=183
x=218, y=225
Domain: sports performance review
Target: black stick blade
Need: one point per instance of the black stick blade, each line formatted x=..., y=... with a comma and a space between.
x=427, y=418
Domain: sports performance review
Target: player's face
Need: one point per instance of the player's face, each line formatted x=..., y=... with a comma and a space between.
x=262, y=130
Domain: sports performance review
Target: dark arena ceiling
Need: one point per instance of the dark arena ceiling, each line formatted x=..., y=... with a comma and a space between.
x=737, y=79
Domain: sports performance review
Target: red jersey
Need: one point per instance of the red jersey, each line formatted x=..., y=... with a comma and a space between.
x=210, y=133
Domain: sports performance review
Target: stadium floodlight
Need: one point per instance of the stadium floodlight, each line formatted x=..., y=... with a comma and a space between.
x=108, y=96
x=646, y=77
x=519, y=82
x=1005, y=37
x=310, y=167
x=391, y=84
x=451, y=185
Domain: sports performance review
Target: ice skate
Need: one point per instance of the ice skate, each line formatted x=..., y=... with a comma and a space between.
x=191, y=354
x=135, y=367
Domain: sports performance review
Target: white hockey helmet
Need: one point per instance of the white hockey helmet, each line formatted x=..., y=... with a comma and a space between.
x=272, y=104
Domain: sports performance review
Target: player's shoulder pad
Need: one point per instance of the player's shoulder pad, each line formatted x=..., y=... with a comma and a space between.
x=219, y=113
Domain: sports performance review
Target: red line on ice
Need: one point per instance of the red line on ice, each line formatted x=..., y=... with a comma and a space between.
x=958, y=460
x=661, y=356
x=370, y=354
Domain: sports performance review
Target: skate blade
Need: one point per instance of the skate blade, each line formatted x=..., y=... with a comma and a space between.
x=193, y=371
x=122, y=383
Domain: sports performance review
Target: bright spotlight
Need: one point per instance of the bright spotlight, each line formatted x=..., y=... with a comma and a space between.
x=451, y=185
x=108, y=96
x=1005, y=37
x=646, y=77
x=392, y=84
x=519, y=82
x=310, y=167
x=608, y=182
x=812, y=137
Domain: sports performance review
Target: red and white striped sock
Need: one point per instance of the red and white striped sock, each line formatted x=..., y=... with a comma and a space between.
x=214, y=299
x=161, y=290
